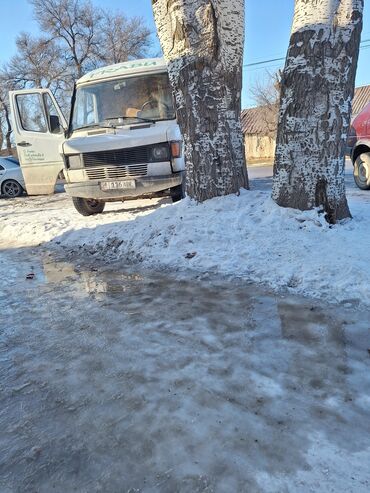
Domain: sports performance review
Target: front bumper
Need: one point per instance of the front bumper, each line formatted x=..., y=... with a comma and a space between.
x=145, y=185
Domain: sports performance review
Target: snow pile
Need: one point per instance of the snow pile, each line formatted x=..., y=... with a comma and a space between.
x=246, y=236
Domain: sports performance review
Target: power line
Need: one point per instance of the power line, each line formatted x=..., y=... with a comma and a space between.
x=265, y=67
x=263, y=62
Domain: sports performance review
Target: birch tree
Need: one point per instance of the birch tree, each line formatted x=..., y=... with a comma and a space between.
x=202, y=41
x=315, y=107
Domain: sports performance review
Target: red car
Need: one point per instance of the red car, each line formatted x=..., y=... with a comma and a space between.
x=359, y=148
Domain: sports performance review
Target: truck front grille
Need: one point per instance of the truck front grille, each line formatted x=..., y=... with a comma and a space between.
x=114, y=172
x=117, y=157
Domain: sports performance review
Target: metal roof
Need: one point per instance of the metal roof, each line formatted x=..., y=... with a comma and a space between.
x=360, y=100
x=258, y=120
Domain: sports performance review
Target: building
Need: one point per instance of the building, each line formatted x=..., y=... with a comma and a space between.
x=259, y=129
x=259, y=126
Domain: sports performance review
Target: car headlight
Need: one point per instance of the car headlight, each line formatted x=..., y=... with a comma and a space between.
x=161, y=153
x=74, y=161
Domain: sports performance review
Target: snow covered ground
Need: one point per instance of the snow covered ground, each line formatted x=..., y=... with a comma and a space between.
x=247, y=236
x=144, y=383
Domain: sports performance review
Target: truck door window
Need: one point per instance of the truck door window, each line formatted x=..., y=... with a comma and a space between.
x=53, y=115
x=31, y=112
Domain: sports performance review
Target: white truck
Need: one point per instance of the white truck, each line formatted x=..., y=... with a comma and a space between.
x=122, y=140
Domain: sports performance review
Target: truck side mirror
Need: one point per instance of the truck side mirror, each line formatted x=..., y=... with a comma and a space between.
x=55, y=127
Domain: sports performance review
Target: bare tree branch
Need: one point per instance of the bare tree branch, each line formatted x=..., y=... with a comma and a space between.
x=266, y=96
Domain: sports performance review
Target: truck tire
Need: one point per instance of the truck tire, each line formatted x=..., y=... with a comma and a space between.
x=178, y=193
x=361, y=171
x=88, y=207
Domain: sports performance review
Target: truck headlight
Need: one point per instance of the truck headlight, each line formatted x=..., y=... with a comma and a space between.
x=74, y=161
x=161, y=153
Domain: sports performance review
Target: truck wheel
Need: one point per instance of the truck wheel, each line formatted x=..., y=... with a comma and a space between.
x=88, y=207
x=177, y=193
x=361, y=171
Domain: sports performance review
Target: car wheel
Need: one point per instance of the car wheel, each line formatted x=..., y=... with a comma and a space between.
x=88, y=207
x=177, y=193
x=11, y=188
x=361, y=171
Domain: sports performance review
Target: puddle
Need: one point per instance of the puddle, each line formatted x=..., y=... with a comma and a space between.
x=118, y=380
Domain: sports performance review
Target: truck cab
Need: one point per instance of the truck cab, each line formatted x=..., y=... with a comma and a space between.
x=122, y=140
x=358, y=148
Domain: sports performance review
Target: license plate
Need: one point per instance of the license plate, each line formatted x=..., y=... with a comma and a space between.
x=118, y=185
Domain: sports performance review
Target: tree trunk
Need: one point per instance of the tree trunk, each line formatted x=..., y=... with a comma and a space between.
x=9, y=130
x=315, y=107
x=1, y=133
x=202, y=41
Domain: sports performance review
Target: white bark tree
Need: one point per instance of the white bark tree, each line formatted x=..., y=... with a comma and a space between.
x=202, y=41
x=315, y=107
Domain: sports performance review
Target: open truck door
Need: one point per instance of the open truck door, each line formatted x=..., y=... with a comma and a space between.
x=39, y=129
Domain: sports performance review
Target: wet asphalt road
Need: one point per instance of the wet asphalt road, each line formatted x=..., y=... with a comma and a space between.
x=261, y=179
x=114, y=380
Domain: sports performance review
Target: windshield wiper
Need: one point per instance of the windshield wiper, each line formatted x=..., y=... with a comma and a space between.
x=130, y=118
x=92, y=125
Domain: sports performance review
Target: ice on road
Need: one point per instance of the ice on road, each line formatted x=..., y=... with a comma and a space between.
x=132, y=381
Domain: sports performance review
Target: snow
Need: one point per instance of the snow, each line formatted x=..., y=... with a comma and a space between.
x=329, y=468
x=246, y=236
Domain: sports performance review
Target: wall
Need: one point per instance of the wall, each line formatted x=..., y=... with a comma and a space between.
x=259, y=147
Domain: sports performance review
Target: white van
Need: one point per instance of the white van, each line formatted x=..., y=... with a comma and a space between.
x=122, y=140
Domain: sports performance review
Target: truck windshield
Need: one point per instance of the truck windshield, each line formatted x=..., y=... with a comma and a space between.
x=132, y=99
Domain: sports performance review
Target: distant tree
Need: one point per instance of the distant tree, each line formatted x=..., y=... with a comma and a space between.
x=266, y=96
x=317, y=90
x=39, y=62
x=203, y=42
x=1, y=129
x=75, y=25
x=6, y=126
x=123, y=39
x=91, y=36
x=77, y=36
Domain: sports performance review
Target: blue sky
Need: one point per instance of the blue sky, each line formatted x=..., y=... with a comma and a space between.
x=267, y=33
